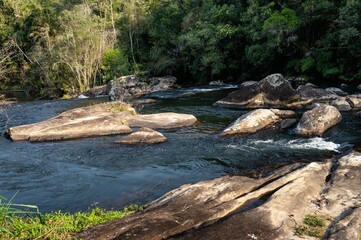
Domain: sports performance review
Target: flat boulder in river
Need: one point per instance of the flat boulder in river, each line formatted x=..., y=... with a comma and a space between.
x=167, y=120
x=98, y=120
x=271, y=92
x=237, y=207
x=316, y=121
x=251, y=122
x=143, y=136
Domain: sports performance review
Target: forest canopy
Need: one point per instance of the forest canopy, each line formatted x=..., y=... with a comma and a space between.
x=73, y=45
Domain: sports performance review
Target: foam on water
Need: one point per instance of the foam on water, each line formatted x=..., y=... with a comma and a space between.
x=299, y=144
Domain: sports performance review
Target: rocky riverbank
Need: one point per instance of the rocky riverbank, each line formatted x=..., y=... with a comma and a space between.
x=236, y=207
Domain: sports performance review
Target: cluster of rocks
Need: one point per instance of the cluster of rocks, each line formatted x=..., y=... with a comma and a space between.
x=100, y=120
x=238, y=207
x=130, y=86
x=276, y=92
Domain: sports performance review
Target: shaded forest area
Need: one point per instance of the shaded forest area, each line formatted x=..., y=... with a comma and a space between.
x=72, y=45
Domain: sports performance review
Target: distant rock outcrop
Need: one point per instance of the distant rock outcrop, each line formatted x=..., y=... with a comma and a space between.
x=271, y=92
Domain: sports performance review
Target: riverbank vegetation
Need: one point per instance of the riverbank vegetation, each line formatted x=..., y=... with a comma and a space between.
x=51, y=47
x=18, y=221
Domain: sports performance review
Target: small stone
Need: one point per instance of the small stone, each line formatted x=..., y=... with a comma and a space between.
x=143, y=136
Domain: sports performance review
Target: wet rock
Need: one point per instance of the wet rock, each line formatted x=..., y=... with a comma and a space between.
x=248, y=83
x=143, y=136
x=311, y=85
x=95, y=92
x=271, y=92
x=354, y=101
x=316, y=121
x=337, y=91
x=161, y=83
x=236, y=207
x=251, y=123
x=314, y=94
x=344, y=87
x=359, y=88
x=358, y=114
x=341, y=104
x=213, y=83
x=284, y=113
x=97, y=120
x=167, y=120
x=130, y=86
x=7, y=103
x=287, y=123
x=297, y=80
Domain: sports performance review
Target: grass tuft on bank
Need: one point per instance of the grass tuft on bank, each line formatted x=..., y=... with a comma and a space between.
x=19, y=221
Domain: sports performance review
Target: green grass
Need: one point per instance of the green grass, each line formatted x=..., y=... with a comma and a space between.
x=18, y=221
x=313, y=226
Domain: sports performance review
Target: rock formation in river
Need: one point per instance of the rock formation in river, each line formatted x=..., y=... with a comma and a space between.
x=236, y=207
x=143, y=136
x=271, y=92
x=316, y=121
x=97, y=120
x=251, y=122
x=256, y=120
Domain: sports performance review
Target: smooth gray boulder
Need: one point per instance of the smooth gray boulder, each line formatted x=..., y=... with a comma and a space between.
x=251, y=123
x=167, y=120
x=143, y=136
x=316, y=121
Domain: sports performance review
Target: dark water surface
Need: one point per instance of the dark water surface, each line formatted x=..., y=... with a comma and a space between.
x=74, y=175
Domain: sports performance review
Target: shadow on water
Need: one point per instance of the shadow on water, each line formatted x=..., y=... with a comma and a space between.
x=74, y=175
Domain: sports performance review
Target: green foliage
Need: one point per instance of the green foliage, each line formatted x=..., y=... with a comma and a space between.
x=74, y=45
x=30, y=224
x=114, y=64
x=314, y=226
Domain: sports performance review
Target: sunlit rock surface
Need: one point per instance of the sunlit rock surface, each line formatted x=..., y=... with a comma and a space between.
x=236, y=207
x=316, y=121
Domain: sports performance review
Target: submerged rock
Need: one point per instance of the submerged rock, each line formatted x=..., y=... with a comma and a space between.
x=143, y=136
x=166, y=120
x=236, y=207
x=97, y=120
x=271, y=92
x=251, y=123
x=316, y=121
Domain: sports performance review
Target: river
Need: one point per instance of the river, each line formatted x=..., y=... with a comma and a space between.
x=79, y=174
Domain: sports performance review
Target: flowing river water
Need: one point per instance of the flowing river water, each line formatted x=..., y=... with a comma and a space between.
x=78, y=174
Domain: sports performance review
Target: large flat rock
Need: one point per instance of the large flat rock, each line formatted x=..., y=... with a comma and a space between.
x=167, y=120
x=236, y=207
x=98, y=120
